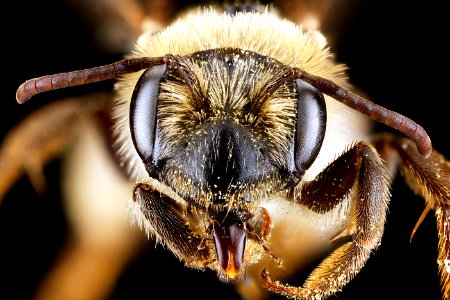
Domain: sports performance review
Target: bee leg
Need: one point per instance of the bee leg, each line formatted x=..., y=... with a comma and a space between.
x=99, y=242
x=41, y=137
x=443, y=221
x=430, y=178
x=166, y=217
x=362, y=176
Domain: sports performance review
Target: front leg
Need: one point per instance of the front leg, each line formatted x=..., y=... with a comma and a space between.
x=172, y=221
x=359, y=175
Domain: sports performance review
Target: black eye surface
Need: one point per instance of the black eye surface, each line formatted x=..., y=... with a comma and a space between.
x=310, y=126
x=143, y=111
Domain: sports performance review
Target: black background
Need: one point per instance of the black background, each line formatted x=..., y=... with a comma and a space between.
x=395, y=52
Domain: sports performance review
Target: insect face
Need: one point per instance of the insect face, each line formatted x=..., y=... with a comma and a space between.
x=226, y=128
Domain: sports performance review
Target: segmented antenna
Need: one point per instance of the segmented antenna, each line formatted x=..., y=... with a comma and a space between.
x=375, y=111
x=391, y=118
x=62, y=80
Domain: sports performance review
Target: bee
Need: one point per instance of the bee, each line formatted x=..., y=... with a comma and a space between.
x=221, y=172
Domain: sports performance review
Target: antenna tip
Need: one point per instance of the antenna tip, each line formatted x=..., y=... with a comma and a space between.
x=22, y=95
x=424, y=147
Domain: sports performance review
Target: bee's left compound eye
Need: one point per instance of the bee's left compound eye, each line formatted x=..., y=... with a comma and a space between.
x=310, y=126
x=143, y=111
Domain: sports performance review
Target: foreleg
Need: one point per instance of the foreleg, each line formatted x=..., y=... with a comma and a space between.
x=359, y=175
x=169, y=218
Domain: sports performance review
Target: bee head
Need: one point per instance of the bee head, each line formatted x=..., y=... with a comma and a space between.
x=226, y=124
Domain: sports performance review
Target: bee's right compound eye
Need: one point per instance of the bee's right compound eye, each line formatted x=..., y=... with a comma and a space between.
x=143, y=110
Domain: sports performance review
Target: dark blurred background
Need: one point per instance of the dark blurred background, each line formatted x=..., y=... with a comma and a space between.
x=396, y=55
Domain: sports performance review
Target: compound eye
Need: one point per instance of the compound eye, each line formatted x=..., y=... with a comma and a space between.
x=143, y=109
x=310, y=127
